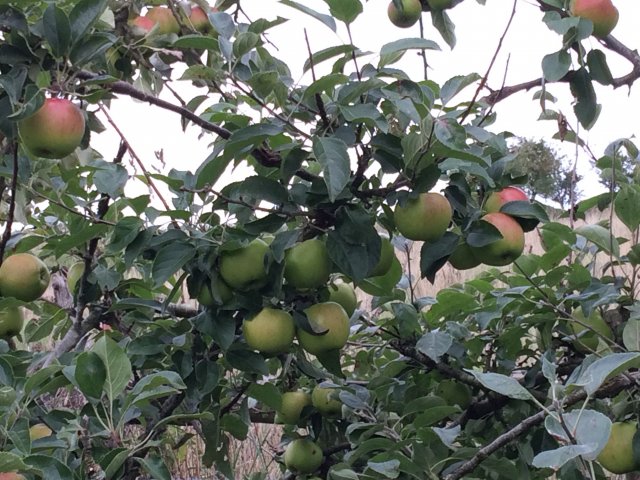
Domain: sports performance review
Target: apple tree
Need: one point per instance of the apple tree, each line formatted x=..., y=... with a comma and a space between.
x=206, y=303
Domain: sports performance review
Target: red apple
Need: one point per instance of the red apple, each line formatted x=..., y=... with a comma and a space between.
x=496, y=200
x=141, y=26
x=167, y=23
x=200, y=20
x=602, y=13
x=508, y=248
x=55, y=130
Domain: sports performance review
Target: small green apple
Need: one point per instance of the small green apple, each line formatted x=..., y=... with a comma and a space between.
x=617, y=455
x=329, y=317
x=343, y=294
x=11, y=322
x=425, y=218
x=244, y=268
x=405, y=16
x=303, y=456
x=292, y=405
x=271, y=331
x=463, y=257
x=326, y=401
x=307, y=264
x=23, y=276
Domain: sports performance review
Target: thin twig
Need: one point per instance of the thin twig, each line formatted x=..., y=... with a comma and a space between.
x=6, y=236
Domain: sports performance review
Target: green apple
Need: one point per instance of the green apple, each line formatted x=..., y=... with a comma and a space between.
x=303, y=456
x=343, y=294
x=38, y=431
x=508, y=248
x=329, y=317
x=386, y=258
x=405, y=16
x=602, y=13
x=454, y=393
x=425, y=218
x=214, y=292
x=271, y=331
x=326, y=401
x=244, y=268
x=587, y=339
x=617, y=455
x=23, y=276
x=463, y=257
x=292, y=405
x=162, y=16
x=7, y=396
x=307, y=264
x=11, y=322
x=53, y=131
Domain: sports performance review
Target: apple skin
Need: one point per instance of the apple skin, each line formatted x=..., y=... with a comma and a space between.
x=602, y=13
x=425, y=218
x=53, y=131
x=439, y=4
x=23, y=276
x=200, y=20
x=496, y=200
x=11, y=322
x=408, y=17
x=463, y=257
x=271, y=331
x=617, y=455
x=38, y=431
x=167, y=23
x=303, y=456
x=323, y=399
x=343, y=294
x=307, y=264
x=328, y=316
x=141, y=26
x=244, y=269
x=11, y=476
x=214, y=292
x=587, y=341
x=292, y=405
x=386, y=258
x=508, y=248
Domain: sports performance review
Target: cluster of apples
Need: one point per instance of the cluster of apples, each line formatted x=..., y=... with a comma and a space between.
x=406, y=13
x=164, y=21
x=25, y=277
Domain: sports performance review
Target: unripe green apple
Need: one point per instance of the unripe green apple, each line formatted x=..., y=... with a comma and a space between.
x=463, y=257
x=303, y=456
x=167, y=23
x=23, y=276
x=602, y=13
x=327, y=316
x=53, y=131
x=344, y=295
x=292, y=405
x=386, y=258
x=406, y=16
x=11, y=322
x=326, y=401
x=214, y=292
x=307, y=264
x=425, y=218
x=508, y=248
x=38, y=431
x=271, y=331
x=587, y=339
x=244, y=268
x=496, y=200
x=617, y=455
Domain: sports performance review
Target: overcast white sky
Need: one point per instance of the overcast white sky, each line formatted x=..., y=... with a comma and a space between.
x=478, y=29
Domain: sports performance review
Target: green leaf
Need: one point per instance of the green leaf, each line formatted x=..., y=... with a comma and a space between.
x=556, y=65
x=326, y=19
x=345, y=10
x=246, y=360
x=10, y=462
x=91, y=47
x=626, y=206
x=507, y=386
x=110, y=178
x=125, y=232
x=434, y=344
x=266, y=393
x=388, y=469
x=39, y=378
x=155, y=467
x=555, y=459
x=394, y=51
x=57, y=30
x=90, y=374
x=445, y=26
x=116, y=462
x=598, y=68
x=455, y=85
x=326, y=54
x=332, y=155
x=244, y=140
x=117, y=366
x=84, y=15
x=631, y=335
x=600, y=236
x=197, y=42
x=587, y=427
x=51, y=468
x=170, y=259
x=245, y=42
x=595, y=374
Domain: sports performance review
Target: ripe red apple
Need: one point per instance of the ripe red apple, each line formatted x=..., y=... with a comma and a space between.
x=23, y=276
x=496, y=200
x=11, y=476
x=602, y=13
x=406, y=16
x=425, y=218
x=53, y=131
x=508, y=248
x=167, y=23
x=200, y=20
x=141, y=26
